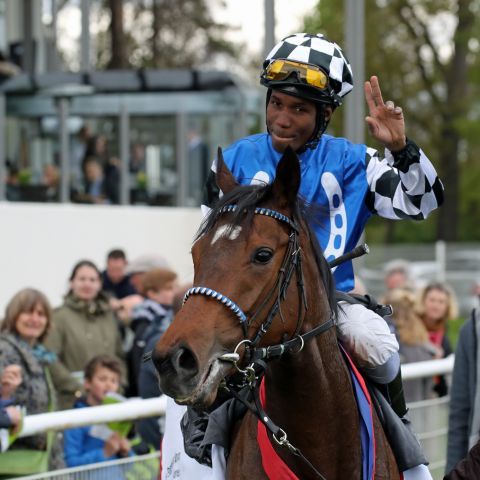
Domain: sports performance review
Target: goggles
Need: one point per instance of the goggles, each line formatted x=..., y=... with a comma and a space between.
x=279, y=70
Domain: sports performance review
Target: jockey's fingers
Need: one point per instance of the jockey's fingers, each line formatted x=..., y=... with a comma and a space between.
x=398, y=110
x=376, y=91
x=390, y=105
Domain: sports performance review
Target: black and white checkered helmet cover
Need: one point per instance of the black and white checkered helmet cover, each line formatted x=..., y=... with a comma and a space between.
x=316, y=49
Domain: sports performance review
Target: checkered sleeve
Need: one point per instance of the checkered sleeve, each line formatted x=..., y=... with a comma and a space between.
x=404, y=184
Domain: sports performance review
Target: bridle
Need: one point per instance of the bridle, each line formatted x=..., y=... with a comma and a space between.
x=292, y=262
x=256, y=356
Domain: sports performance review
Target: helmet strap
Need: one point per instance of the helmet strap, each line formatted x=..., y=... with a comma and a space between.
x=321, y=125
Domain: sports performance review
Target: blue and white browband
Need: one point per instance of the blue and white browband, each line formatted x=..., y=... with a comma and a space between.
x=217, y=296
x=263, y=211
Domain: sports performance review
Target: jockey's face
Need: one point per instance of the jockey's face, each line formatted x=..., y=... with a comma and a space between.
x=290, y=120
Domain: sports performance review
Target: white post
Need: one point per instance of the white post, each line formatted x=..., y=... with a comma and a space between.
x=63, y=106
x=124, y=141
x=441, y=259
x=269, y=25
x=85, y=37
x=355, y=50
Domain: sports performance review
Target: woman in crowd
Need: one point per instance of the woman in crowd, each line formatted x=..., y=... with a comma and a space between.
x=414, y=341
x=27, y=322
x=437, y=305
x=83, y=327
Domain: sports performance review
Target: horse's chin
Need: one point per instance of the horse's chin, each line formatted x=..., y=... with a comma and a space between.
x=205, y=393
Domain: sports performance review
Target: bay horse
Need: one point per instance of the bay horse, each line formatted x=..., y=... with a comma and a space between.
x=261, y=280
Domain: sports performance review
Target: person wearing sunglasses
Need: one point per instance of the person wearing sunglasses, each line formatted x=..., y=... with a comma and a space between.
x=307, y=77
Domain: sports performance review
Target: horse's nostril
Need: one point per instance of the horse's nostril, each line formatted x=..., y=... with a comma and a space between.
x=185, y=362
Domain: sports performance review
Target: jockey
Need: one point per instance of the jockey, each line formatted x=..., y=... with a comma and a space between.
x=307, y=76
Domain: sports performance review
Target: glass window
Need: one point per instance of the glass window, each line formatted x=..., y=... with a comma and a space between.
x=31, y=161
x=153, y=165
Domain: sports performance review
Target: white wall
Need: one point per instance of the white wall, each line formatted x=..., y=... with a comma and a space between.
x=40, y=243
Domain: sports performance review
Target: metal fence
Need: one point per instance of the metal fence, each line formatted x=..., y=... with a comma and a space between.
x=143, y=467
x=430, y=423
x=429, y=419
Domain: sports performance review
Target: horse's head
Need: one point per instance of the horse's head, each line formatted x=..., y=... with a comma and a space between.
x=241, y=257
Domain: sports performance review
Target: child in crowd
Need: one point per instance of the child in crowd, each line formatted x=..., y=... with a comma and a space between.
x=153, y=315
x=156, y=314
x=96, y=443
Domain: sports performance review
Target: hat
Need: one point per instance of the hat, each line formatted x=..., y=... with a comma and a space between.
x=146, y=262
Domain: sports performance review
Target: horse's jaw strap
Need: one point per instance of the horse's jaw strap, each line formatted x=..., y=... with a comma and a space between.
x=295, y=345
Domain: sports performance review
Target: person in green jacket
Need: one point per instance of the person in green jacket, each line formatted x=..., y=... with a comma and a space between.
x=83, y=327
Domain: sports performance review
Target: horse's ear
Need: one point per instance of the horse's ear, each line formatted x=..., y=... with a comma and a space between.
x=225, y=180
x=287, y=178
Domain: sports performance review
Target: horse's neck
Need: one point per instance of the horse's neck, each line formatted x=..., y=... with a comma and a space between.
x=310, y=397
x=311, y=379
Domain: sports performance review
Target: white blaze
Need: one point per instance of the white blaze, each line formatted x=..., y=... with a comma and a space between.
x=222, y=232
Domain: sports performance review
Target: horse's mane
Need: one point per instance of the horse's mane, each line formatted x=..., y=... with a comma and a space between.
x=247, y=198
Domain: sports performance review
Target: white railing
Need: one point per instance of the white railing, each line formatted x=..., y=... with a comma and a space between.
x=152, y=407
x=128, y=410
x=429, y=419
x=428, y=368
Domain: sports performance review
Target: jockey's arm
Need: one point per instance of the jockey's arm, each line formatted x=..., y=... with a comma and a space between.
x=404, y=184
x=367, y=339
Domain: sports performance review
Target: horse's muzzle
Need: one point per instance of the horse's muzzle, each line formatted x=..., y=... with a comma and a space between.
x=177, y=370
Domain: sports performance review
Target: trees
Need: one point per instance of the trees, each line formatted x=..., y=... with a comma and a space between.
x=163, y=33
x=119, y=56
x=427, y=54
x=148, y=33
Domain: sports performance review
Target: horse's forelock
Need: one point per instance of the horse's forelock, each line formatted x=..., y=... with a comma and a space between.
x=246, y=198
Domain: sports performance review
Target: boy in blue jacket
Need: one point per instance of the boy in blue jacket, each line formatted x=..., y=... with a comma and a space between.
x=96, y=443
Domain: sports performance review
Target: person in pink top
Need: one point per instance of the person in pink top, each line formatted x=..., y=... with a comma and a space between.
x=436, y=306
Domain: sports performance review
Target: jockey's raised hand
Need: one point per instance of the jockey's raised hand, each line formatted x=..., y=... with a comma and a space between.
x=385, y=120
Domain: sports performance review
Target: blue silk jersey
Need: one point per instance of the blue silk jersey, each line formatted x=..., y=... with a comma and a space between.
x=345, y=183
x=333, y=179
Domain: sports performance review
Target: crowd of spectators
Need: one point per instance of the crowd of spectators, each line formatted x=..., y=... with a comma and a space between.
x=94, y=175
x=421, y=319
x=90, y=348
x=84, y=352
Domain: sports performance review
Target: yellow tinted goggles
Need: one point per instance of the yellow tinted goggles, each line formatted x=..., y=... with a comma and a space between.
x=280, y=70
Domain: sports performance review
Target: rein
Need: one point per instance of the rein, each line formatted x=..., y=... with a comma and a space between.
x=254, y=372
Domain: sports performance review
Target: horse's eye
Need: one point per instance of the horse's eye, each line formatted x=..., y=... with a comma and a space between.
x=262, y=255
